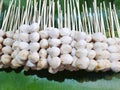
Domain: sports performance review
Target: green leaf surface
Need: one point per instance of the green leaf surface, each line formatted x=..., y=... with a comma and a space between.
x=42, y=80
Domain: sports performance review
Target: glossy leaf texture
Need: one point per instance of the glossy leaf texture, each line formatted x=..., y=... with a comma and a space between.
x=42, y=80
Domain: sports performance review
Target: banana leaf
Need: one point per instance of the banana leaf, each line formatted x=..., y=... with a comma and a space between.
x=42, y=80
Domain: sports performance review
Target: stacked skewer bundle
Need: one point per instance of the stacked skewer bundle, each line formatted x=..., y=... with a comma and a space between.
x=34, y=42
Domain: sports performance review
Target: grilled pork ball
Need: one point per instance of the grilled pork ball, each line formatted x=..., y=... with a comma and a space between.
x=8, y=42
x=44, y=43
x=34, y=27
x=66, y=59
x=43, y=53
x=43, y=34
x=54, y=42
x=6, y=59
x=54, y=51
x=34, y=37
x=53, y=32
x=65, y=32
x=65, y=48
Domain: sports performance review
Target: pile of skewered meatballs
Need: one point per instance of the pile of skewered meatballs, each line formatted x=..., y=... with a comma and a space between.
x=58, y=49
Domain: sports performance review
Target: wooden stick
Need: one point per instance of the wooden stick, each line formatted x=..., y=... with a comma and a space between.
x=7, y=15
x=35, y=10
x=102, y=21
x=68, y=19
x=91, y=21
x=111, y=21
x=3, y=20
x=12, y=17
x=45, y=14
x=97, y=28
x=106, y=18
x=86, y=10
x=28, y=12
x=58, y=7
x=71, y=13
x=79, y=17
x=75, y=16
x=53, y=13
x=117, y=21
x=22, y=15
x=49, y=13
x=39, y=7
x=1, y=4
x=17, y=17
x=65, y=23
x=84, y=20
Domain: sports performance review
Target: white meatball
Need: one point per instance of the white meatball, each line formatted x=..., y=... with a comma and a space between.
x=30, y=64
x=74, y=61
x=5, y=59
x=72, y=34
x=42, y=63
x=43, y=53
x=54, y=51
x=66, y=59
x=98, y=37
x=65, y=32
x=82, y=52
x=44, y=43
x=16, y=36
x=54, y=42
x=24, y=37
x=10, y=34
x=73, y=53
x=23, y=45
x=92, y=65
x=54, y=62
x=80, y=35
x=7, y=50
x=15, y=63
x=53, y=32
x=83, y=63
x=114, y=48
x=88, y=38
x=34, y=27
x=80, y=44
x=8, y=41
x=66, y=40
x=33, y=57
x=65, y=49
x=111, y=41
x=114, y=57
x=102, y=54
x=34, y=46
x=23, y=54
x=115, y=66
x=14, y=53
x=34, y=37
x=1, y=39
x=2, y=33
x=52, y=71
x=73, y=43
x=43, y=34
x=89, y=46
x=91, y=54
x=103, y=65
x=100, y=46
x=15, y=45
x=21, y=62
x=24, y=28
